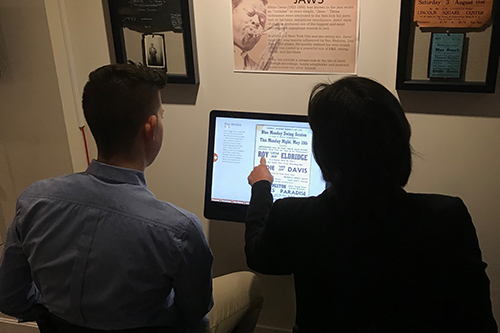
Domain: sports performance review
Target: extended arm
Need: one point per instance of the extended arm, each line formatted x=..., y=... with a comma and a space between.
x=265, y=240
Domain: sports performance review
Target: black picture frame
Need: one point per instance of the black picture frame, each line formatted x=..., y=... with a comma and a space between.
x=404, y=80
x=118, y=15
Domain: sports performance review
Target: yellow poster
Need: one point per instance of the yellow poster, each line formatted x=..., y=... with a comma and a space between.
x=295, y=36
x=452, y=13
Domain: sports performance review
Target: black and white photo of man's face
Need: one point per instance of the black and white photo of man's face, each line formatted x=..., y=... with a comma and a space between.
x=249, y=20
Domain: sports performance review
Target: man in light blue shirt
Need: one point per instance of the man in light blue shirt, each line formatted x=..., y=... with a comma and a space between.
x=97, y=249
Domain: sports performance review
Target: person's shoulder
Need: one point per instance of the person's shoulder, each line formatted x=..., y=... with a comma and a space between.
x=296, y=207
x=437, y=211
x=296, y=201
x=433, y=202
x=179, y=213
x=48, y=186
x=174, y=217
x=312, y=200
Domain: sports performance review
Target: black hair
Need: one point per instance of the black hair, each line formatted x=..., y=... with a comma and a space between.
x=117, y=100
x=237, y=2
x=361, y=137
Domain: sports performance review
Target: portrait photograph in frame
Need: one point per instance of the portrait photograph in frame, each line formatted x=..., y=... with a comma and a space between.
x=154, y=51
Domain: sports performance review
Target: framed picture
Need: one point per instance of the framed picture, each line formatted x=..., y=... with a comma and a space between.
x=446, y=55
x=157, y=33
x=448, y=46
x=153, y=51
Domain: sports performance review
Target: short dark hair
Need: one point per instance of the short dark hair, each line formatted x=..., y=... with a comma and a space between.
x=361, y=137
x=117, y=100
x=237, y=2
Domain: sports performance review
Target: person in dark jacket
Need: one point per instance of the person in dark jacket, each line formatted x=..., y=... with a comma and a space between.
x=367, y=256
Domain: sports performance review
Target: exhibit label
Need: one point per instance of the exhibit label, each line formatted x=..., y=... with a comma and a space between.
x=446, y=55
x=296, y=36
x=452, y=13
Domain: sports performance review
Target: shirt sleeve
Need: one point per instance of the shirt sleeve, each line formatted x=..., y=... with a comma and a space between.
x=18, y=293
x=193, y=281
x=265, y=240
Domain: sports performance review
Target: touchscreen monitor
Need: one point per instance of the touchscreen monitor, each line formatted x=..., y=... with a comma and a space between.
x=236, y=143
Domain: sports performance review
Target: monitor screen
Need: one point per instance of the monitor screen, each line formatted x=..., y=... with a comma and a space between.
x=236, y=143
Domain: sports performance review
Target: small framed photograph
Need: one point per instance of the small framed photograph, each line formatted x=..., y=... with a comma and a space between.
x=153, y=51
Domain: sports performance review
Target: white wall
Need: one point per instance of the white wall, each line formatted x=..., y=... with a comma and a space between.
x=458, y=151
x=33, y=137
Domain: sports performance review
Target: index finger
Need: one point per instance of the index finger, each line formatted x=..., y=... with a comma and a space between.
x=262, y=160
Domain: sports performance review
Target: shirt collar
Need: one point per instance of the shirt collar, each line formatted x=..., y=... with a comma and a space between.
x=116, y=174
x=242, y=53
x=242, y=59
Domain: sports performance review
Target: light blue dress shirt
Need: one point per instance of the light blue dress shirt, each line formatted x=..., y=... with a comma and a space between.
x=99, y=250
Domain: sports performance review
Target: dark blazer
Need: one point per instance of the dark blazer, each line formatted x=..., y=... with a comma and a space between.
x=417, y=268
